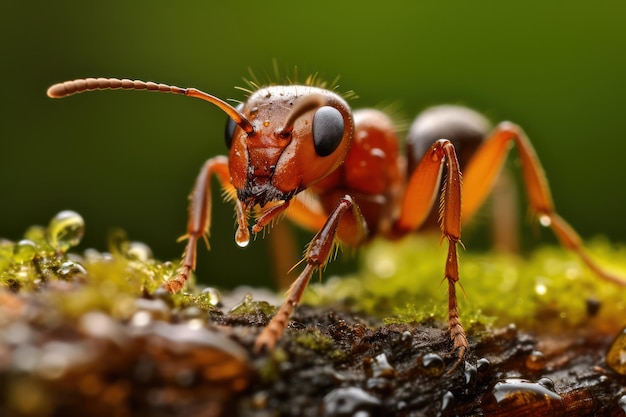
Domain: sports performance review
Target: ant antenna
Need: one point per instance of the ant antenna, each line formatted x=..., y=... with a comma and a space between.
x=81, y=85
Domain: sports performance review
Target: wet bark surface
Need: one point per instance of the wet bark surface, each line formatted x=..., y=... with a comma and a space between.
x=189, y=361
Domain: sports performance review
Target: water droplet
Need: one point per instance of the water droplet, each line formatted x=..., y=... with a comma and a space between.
x=622, y=402
x=616, y=356
x=483, y=365
x=211, y=296
x=470, y=374
x=510, y=331
x=24, y=251
x=242, y=237
x=545, y=220
x=351, y=401
x=447, y=401
x=515, y=395
x=141, y=318
x=138, y=251
x=69, y=268
x=381, y=368
x=433, y=364
x=65, y=230
x=546, y=382
x=541, y=289
x=536, y=361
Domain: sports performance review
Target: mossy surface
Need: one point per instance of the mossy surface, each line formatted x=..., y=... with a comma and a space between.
x=551, y=288
x=98, y=326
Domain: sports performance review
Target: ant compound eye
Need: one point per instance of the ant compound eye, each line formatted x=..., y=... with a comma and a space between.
x=328, y=128
x=230, y=128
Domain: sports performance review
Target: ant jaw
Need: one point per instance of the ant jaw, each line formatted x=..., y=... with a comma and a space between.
x=242, y=235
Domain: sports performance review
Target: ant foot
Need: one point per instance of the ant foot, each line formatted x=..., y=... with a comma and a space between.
x=178, y=282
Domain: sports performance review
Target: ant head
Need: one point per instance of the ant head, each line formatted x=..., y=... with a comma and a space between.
x=300, y=134
x=282, y=139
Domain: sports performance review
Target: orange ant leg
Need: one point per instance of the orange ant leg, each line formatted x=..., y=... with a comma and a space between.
x=199, y=221
x=419, y=196
x=305, y=211
x=345, y=216
x=483, y=169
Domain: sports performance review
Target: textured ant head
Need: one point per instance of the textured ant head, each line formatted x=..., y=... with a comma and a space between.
x=300, y=134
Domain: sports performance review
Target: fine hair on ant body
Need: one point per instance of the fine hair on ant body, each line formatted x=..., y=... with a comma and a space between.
x=288, y=139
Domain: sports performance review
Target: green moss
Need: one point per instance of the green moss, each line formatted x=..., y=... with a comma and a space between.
x=398, y=282
x=316, y=341
x=249, y=306
x=109, y=282
x=402, y=282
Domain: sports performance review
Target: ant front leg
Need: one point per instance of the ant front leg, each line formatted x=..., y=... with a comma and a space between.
x=345, y=218
x=483, y=169
x=199, y=221
x=422, y=188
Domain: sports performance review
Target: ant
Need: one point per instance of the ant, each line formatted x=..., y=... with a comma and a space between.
x=289, y=142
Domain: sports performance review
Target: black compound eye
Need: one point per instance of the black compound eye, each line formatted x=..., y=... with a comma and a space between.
x=230, y=128
x=328, y=128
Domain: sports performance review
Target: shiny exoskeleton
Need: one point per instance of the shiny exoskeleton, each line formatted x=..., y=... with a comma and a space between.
x=290, y=141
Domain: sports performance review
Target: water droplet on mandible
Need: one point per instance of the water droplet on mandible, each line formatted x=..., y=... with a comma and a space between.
x=242, y=237
x=65, y=230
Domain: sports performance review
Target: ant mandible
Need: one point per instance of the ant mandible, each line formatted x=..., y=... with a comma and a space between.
x=285, y=140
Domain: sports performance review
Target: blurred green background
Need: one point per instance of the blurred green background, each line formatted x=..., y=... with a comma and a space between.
x=129, y=159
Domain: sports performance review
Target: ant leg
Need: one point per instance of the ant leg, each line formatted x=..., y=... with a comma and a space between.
x=305, y=211
x=483, y=169
x=199, y=217
x=346, y=217
x=422, y=188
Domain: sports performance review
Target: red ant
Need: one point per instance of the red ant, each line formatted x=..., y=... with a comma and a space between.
x=287, y=139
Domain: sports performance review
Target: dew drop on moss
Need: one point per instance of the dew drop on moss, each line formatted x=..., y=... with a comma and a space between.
x=65, y=230
x=211, y=296
x=24, y=251
x=138, y=251
x=70, y=268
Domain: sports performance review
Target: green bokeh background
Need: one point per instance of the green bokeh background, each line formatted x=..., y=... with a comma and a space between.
x=129, y=159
